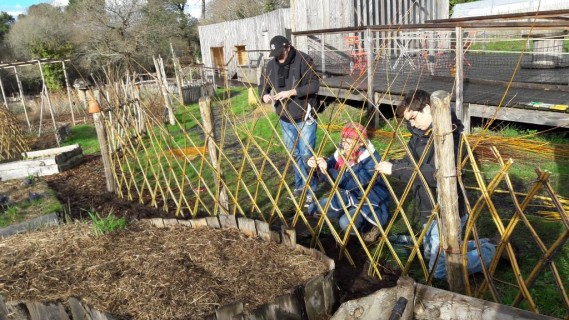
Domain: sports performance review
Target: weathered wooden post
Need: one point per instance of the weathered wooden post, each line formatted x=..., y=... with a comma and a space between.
x=68, y=91
x=22, y=97
x=3, y=94
x=45, y=94
x=449, y=222
x=205, y=111
x=461, y=112
x=95, y=110
x=163, y=85
x=177, y=72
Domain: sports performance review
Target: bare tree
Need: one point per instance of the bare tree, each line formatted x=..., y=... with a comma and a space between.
x=43, y=33
x=129, y=33
x=226, y=10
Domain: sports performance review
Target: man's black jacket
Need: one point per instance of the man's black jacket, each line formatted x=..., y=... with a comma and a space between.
x=301, y=76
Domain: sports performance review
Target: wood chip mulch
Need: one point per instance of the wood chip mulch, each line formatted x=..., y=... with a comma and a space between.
x=144, y=272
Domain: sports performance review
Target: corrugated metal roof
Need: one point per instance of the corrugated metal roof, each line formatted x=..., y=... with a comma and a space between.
x=495, y=7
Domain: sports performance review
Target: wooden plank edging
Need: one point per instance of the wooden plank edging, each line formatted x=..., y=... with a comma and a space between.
x=312, y=300
x=33, y=224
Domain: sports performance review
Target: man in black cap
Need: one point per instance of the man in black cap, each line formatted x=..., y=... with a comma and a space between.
x=290, y=83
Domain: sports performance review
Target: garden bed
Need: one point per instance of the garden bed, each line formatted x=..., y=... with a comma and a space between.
x=24, y=200
x=144, y=272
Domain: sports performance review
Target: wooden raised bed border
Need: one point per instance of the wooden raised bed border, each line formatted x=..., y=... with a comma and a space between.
x=312, y=300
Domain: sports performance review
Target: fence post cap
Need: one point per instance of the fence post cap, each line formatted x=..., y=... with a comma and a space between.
x=94, y=106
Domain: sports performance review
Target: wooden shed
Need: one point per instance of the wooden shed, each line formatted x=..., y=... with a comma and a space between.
x=246, y=42
x=227, y=43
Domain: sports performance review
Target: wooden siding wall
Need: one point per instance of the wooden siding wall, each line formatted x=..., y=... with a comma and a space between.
x=254, y=33
x=382, y=12
x=325, y=14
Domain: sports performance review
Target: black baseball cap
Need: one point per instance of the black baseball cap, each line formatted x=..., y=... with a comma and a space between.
x=278, y=43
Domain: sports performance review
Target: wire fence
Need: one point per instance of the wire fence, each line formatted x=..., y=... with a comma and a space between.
x=535, y=56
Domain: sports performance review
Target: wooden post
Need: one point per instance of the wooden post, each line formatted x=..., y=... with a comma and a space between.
x=461, y=113
x=177, y=72
x=323, y=53
x=163, y=84
x=22, y=97
x=371, y=103
x=434, y=303
x=207, y=119
x=3, y=94
x=48, y=99
x=95, y=110
x=449, y=222
x=68, y=92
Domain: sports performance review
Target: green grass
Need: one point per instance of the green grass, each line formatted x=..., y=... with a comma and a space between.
x=517, y=45
x=25, y=210
x=86, y=136
x=108, y=224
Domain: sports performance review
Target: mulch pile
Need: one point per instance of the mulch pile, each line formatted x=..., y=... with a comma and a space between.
x=144, y=272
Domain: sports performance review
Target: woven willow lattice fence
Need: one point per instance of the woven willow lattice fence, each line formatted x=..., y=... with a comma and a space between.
x=12, y=142
x=170, y=167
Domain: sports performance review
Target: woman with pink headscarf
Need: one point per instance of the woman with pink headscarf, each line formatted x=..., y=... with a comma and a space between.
x=351, y=168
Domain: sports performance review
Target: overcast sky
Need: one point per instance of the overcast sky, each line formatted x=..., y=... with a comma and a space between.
x=15, y=7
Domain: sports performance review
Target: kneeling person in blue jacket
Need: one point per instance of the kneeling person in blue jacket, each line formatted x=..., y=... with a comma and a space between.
x=357, y=153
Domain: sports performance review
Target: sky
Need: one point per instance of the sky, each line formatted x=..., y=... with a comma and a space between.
x=15, y=7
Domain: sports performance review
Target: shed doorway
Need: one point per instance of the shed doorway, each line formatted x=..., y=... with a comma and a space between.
x=217, y=55
x=241, y=55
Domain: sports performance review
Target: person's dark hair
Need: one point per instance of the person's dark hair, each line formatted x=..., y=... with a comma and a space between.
x=413, y=101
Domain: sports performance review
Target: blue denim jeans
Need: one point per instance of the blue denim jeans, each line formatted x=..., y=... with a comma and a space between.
x=343, y=218
x=300, y=140
x=473, y=263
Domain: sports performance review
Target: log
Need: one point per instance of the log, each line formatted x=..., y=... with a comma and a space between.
x=77, y=310
x=380, y=304
x=315, y=298
x=49, y=152
x=229, y=310
x=17, y=311
x=42, y=163
x=36, y=223
x=288, y=237
x=46, y=311
x=3, y=309
x=227, y=221
x=288, y=307
x=70, y=163
x=27, y=164
x=170, y=222
x=213, y=222
x=263, y=230
x=199, y=223
x=247, y=226
x=433, y=303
